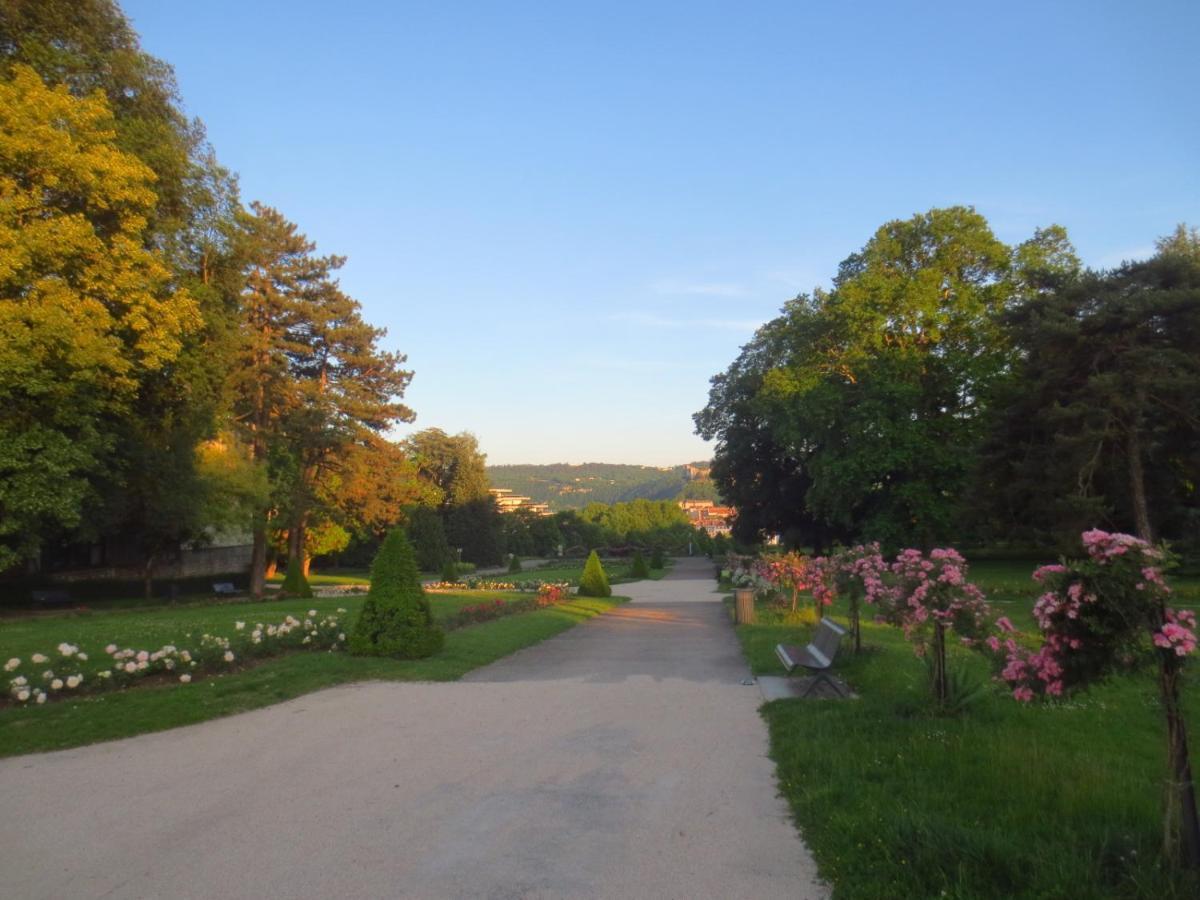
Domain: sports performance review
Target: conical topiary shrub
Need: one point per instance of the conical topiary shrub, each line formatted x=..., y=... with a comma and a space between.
x=449, y=571
x=514, y=564
x=294, y=582
x=593, y=582
x=395, y=619
x=639, y=569
x=656, y=559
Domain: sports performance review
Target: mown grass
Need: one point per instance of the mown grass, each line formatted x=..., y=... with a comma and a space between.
x=1005, y=800
x=143, y=709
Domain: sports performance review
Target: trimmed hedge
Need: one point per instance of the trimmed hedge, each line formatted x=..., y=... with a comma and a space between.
x=593, y=582
x=396, y=619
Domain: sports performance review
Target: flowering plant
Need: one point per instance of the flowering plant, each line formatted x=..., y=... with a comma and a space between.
x=123, y=666
x=856, y=573
x=929, y=596
x=1101, y=614
x=787, y=573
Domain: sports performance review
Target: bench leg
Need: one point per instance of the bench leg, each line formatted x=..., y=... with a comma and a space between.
x=823, y=678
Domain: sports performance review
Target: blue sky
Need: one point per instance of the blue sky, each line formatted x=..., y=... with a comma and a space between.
x=571, y=215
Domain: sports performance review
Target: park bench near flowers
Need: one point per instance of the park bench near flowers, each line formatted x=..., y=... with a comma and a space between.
x=816, y=658
x=224, y=589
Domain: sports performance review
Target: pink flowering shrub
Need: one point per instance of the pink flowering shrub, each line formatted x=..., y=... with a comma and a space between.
x=1096, y=615
x=783, y=575
x=1102, y=614
x=857, y=574
x=930, y=597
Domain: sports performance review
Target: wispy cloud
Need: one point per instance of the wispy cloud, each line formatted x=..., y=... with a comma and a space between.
x=656, y=321
x=672, y=287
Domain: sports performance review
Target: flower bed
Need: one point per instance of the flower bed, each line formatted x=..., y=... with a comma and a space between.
x=547, y=595
x=477, y=584
x=72, y=672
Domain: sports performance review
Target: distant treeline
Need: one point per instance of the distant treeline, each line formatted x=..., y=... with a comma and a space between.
x=563, y=486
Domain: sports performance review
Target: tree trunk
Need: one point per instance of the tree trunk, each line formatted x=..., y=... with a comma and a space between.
x=258, y=562
x=1181, y=823
x=1137, y=487
x=148, y=577
x=940, y=688
x=855, y=630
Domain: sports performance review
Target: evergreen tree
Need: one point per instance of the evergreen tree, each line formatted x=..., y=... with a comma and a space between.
x=449, y=571
x=294, y=582
x=656, y=558
x=396, y=620
x=594, y=582
x=514, y=564
x=428, y=538
x=639, y=569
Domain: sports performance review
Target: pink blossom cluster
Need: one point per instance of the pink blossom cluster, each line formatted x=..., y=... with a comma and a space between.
x=1178, y=633
x=1093, y=613
x=788, y=572
x=1103, y=545
x=859, y=571
x=934, y=589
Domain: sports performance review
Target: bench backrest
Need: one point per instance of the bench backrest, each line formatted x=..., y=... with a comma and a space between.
x=829, y=634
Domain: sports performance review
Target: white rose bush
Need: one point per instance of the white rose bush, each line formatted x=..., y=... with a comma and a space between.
x=71, y=672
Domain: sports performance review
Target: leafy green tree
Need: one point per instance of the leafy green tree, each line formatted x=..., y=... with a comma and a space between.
x=89, y=309
x=294, y=582
x=865, y=406
x=594, y=582
x=451, y=464
x=396, y=619
x=639, y=569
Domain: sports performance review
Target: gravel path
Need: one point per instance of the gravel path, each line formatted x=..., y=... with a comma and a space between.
x=622, y=759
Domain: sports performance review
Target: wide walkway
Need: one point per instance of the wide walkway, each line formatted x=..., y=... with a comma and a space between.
x=622, y=759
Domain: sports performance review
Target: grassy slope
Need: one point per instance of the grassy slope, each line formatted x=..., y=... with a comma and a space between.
x=142, y=709
x=1007, y=800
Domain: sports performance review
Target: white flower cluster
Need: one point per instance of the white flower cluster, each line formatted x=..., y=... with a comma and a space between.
x=129, y=664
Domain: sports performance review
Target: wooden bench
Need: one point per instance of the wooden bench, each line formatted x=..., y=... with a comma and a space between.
x=51, y=597
x=817, y=657
x=224, y=589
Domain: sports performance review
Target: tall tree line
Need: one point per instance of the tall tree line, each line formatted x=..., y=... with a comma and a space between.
x=948, y=387
x=174, y=363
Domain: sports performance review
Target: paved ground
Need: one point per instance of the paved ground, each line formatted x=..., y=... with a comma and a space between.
x=621, y=759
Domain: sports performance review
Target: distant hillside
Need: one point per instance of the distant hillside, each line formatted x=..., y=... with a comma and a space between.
x=564, y=486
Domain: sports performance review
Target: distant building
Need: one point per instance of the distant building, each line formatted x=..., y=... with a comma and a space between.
x=707, y=515
x=507, y=501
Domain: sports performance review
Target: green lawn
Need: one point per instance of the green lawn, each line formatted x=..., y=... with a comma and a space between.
x=1007, y=800
x=141, y=709
x=332, y=576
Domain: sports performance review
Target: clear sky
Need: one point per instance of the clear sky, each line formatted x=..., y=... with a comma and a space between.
x=570, y=215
